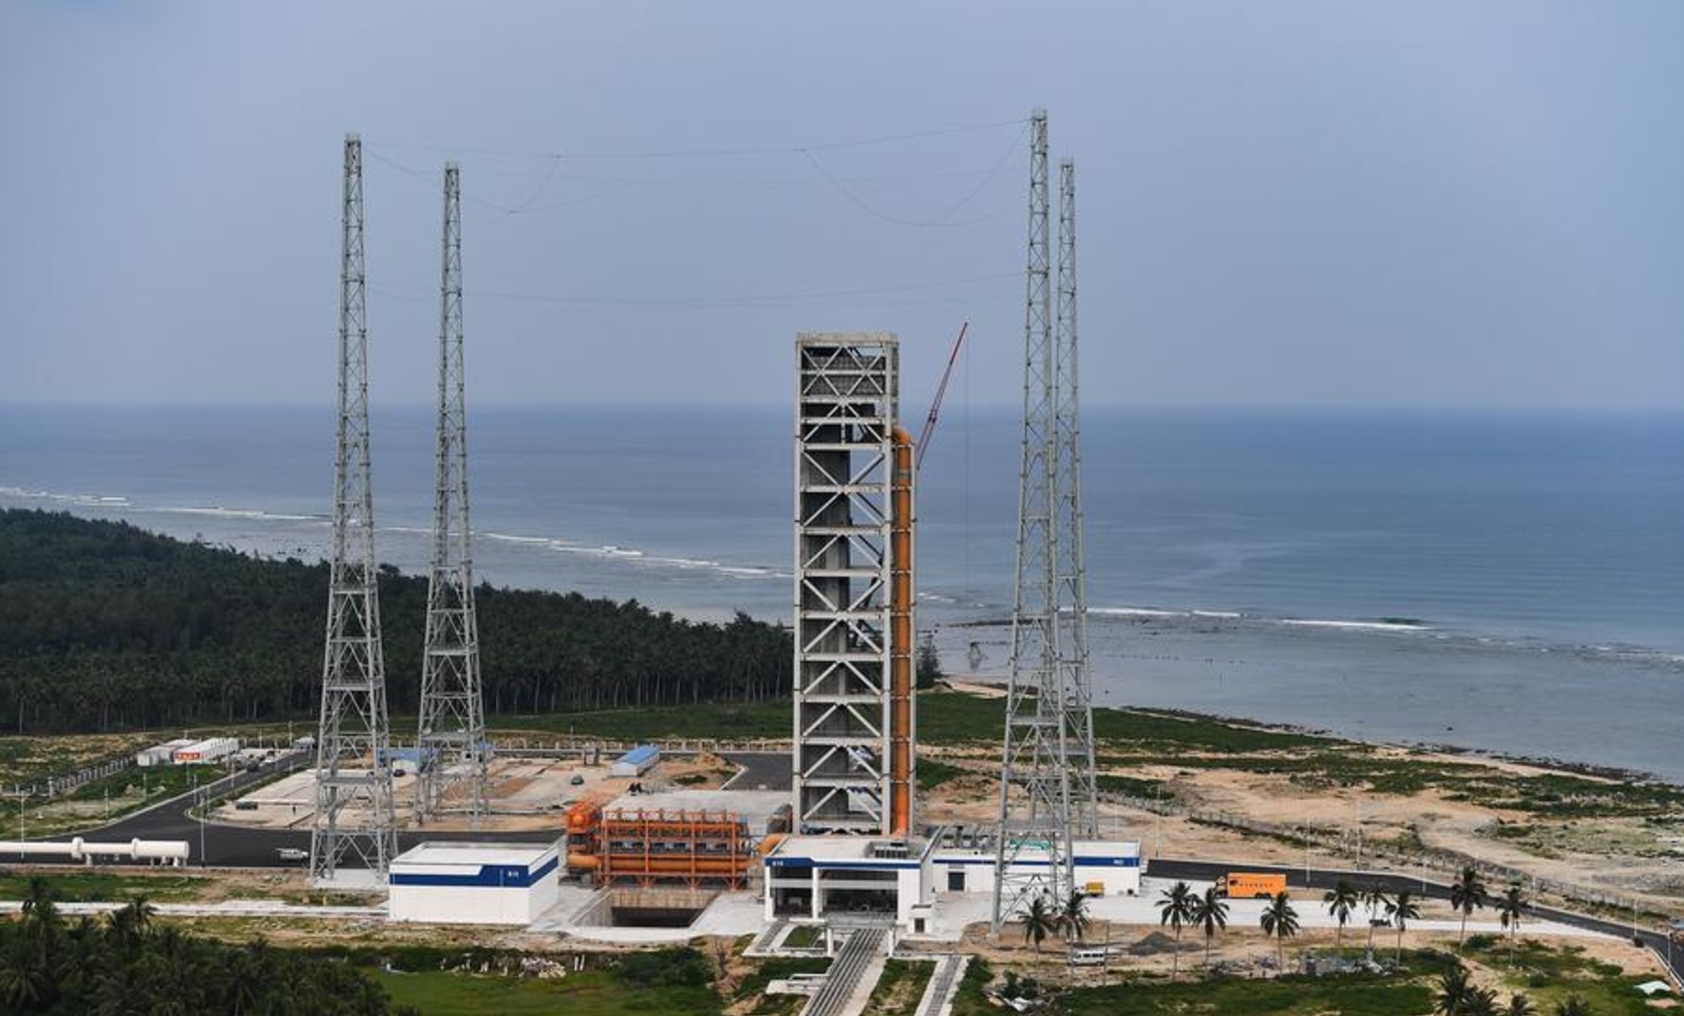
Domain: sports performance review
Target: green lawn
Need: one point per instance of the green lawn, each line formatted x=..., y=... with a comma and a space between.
x=106, y=887
x=1286, y=996
x=591, y=993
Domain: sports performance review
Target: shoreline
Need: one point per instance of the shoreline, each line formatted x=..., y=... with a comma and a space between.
x=987, y=687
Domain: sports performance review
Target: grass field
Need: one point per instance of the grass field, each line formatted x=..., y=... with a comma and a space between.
x=106, y=887
x=591, y=993
x=1287, y=996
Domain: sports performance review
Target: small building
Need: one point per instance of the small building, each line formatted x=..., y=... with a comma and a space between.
x=1102, y=867
x=474, y=883
x=211, y=749
x=636, y=762
x=817, y=876
x=161, y=754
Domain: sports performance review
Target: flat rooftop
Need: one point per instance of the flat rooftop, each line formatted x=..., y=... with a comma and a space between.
x=755, y=806
x=474, y=854
x=842, y=848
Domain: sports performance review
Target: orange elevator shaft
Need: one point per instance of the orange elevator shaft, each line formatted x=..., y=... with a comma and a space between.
x=901, y=730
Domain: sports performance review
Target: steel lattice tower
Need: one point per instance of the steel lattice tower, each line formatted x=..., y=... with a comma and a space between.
x=452, y=735
x=1048, y=723
x=846, y=412
x=1072, y=571
x=353, y=819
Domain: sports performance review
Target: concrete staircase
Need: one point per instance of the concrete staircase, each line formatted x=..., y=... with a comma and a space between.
x=862, y=950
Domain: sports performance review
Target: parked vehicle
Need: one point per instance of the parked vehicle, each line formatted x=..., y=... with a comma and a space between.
x=1250, y=885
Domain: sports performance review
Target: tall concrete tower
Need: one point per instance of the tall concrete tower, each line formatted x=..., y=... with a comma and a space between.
x=452, y=735
x=1047, y=779
x=853, y=682
x=354, y=817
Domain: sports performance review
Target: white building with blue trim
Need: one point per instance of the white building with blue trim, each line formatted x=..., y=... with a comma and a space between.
x=820, y=877
x=474, y=883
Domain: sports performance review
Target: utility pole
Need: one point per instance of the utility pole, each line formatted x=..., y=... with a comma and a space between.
x=451, y=746
x=354, y=820
x=1044, y=731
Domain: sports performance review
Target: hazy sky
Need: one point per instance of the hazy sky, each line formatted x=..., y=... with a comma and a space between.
x=1303, y=203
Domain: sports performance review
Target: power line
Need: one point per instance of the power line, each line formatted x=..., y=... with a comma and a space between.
x=710, y=153
x=939, y=219
x=712, y=301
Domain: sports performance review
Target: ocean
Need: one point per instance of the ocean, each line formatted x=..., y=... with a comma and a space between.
x=1502, y=582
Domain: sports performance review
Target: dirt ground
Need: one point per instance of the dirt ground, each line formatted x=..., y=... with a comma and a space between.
x=1635, y=857
x=525, y=794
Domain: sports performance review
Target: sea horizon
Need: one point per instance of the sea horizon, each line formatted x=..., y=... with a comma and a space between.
x=1257, y=563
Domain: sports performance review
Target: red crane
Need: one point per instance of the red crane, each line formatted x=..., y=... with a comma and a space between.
x=941, y=393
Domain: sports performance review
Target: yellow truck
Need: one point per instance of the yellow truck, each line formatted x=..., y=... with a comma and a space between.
x=1250, y=885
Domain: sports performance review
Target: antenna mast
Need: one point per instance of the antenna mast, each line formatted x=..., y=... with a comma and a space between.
x=1072, y=581
x=353, y=820
x=451, y=744
x=1049, y=725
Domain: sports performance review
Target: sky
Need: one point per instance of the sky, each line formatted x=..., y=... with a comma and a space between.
x=1302, y=204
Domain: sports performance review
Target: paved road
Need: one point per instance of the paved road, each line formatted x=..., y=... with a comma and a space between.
x=767, y=770
x=227, y=846
x=1326, y=878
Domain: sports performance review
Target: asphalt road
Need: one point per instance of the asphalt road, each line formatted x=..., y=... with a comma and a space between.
x=226, y=846
x=761, y=769
x=1326, y=878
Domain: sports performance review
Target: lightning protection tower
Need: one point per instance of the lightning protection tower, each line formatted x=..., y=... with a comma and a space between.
x=1071, y=589
x=452, y=737
x=845, y=441
x=353, y=820
x=1048, y=730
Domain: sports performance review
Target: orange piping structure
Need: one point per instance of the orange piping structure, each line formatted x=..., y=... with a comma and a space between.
x=900, y=637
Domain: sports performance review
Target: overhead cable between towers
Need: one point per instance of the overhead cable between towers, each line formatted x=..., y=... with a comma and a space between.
x=808, y=153
x=710, y=153
x=706, y=301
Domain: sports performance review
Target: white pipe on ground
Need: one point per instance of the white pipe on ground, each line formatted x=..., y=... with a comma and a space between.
x=170, y=852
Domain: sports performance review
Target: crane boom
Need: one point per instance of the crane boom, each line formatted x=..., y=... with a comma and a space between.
x=941, y=393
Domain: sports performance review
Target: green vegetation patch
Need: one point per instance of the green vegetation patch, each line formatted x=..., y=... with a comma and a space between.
x=1362, y=995
x=932, y=773
x=715, y=720
x=900, y=989
x=105, y=887
x=971, y=997
x=589, y=993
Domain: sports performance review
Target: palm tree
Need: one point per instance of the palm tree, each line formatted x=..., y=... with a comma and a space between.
x=1466, y=896
x=1572, y=1005
x=1039, y=921
x=1211, y=914
x=1454, y=986
x=1377, y=901
x=1280, y=921
x=1341, y=900
x=1519, y=1005
x=1403, y=909
x=1074, y=919
x=1510, y=909
x=1481, y=1002
x=1176, y=909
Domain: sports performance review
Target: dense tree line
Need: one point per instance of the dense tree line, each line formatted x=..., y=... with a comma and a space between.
x=122, y=964
x=105, y=626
